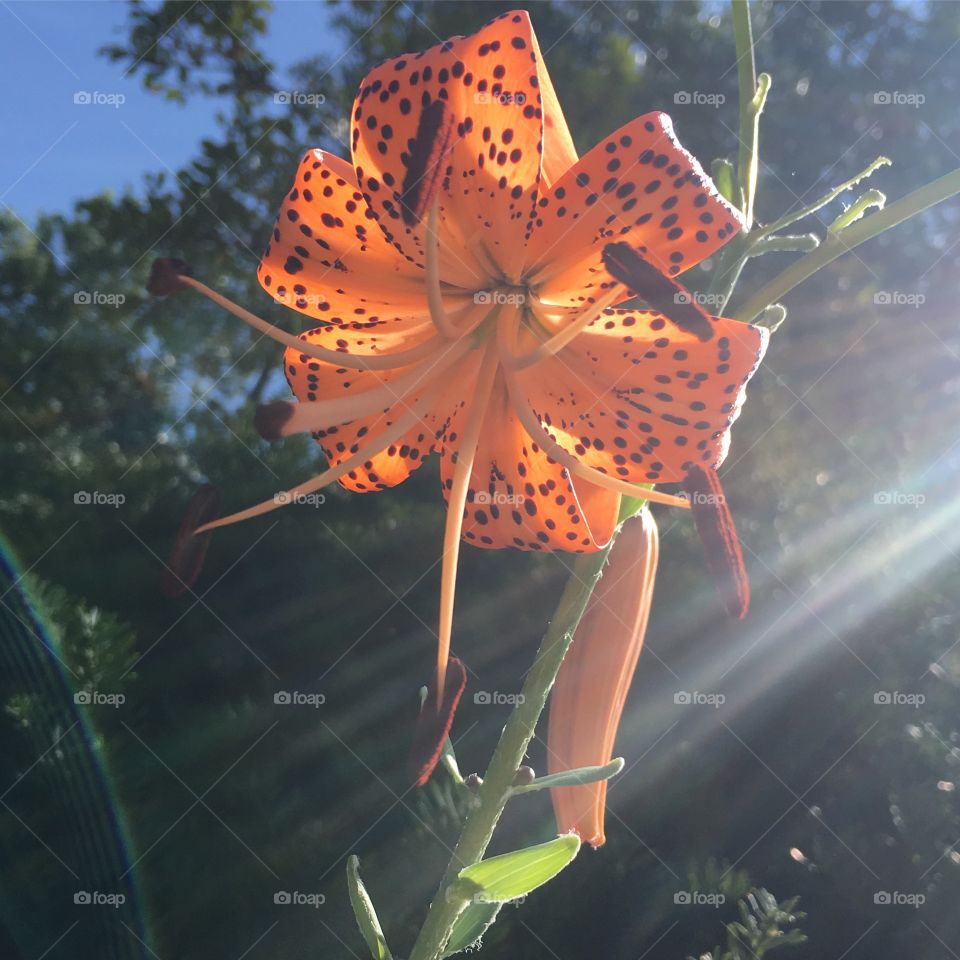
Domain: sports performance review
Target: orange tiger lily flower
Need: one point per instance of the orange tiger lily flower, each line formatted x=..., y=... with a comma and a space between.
x=464, y=267
x=591, y=689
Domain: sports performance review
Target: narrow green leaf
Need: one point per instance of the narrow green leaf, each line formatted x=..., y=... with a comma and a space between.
x=574, y=778
x=471, y=925
x=515, y=874
x=364, y=912
x=723, y=179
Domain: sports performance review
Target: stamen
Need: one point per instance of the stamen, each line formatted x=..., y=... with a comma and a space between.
x=283, y=419
x=189, y=550
x=715, y=527
x=379, y=443
x=166, y=276
x=663, y=294
x=427, y=163
x=465, y=455
x=386, y=361
x=531, y=423
x=557, y=342
x=433, y=726
x=434, y=297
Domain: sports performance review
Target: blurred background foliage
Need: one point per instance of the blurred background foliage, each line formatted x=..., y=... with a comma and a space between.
x=801, y=782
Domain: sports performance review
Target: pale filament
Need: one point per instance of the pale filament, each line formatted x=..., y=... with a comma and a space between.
x=507, y=329
x=384, y=361
x=380, y=442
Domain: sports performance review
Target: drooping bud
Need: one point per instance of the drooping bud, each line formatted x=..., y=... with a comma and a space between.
x=433, y=723
x=662, y=293
x=165, y=276
x=715, y=527
x=190, y=549
x=427, y=165
x=591, y=689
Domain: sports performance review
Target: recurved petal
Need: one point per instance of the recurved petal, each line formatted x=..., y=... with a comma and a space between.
x=640, y=399
x=312, y=380
x=328, y=259
x=588, y=698
x=490, y=83
x=519, y=497
x=638, y=185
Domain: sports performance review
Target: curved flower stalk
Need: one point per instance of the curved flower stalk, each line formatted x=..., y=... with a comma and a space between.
x=464, y=272
x=591, y=689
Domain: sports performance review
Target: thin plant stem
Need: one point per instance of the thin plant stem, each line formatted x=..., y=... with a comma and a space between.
x=499, y=778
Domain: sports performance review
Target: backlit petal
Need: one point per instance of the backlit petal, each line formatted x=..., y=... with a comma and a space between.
x=519, y=497
x=490, y=84
x=639, y=399
x=638, y=185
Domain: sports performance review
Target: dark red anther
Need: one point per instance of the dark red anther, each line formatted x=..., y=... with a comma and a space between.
x=714, y=524
x=662, y=293
x=165, y=276
x=189, y=549
x=427, y=165
x=433, y=724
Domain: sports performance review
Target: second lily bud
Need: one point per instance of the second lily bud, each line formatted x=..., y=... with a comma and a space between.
x=591, y=688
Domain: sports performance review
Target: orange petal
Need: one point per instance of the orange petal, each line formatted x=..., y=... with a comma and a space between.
x=638, y=185
x=519, y=497
x=327, y=258
x=718, y=534
x=490, y=84
x=591, y=689
x=312, y=380
x=433, y=725
x=640, y=399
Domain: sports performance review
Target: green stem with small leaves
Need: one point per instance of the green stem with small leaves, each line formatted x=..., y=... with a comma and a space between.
x=498, y=781
x=839, y=243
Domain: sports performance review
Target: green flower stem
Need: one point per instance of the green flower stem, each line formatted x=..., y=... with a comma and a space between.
x=837, y=244
x=753, y=93
x=498, y=780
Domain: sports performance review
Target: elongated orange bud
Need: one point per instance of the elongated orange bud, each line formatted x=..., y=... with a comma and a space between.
x=591, y=688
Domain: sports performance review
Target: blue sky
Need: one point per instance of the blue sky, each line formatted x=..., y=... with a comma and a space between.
x=55, y=151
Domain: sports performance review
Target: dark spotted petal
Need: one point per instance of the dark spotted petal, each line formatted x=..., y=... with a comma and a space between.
x=640, y=186
x=428, y=162
x=433, y=725
x=714, y=524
